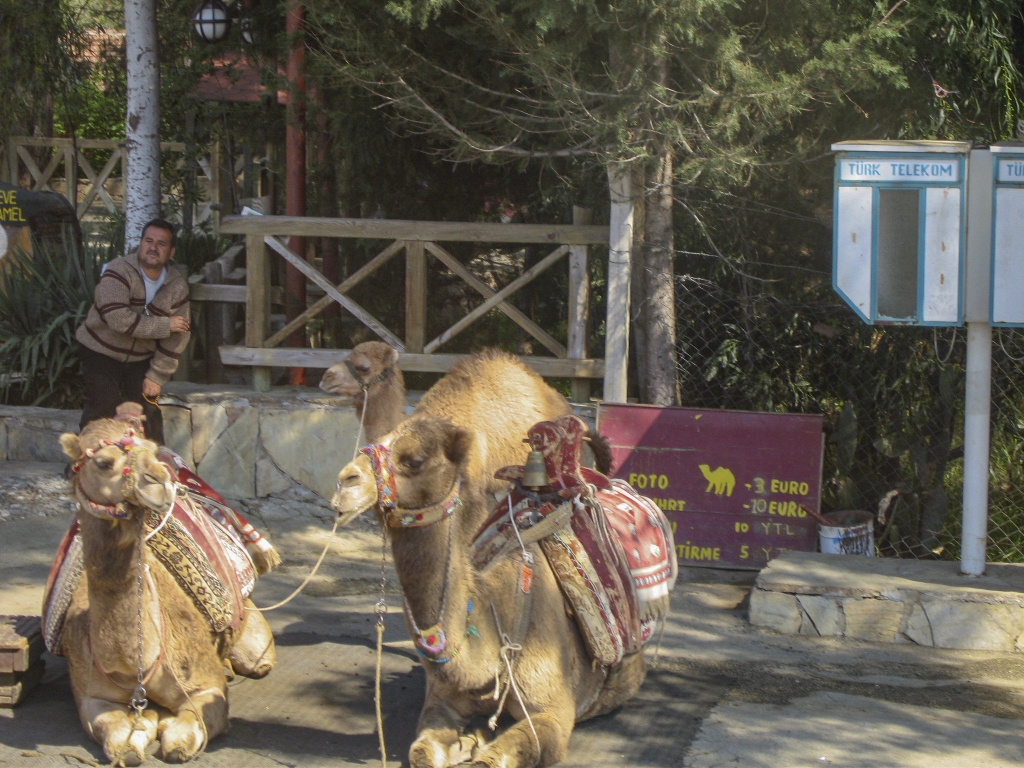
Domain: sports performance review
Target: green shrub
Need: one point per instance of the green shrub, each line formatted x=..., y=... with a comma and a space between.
x=44, y=296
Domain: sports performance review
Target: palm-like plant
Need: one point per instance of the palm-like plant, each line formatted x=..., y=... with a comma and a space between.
x=44, y=296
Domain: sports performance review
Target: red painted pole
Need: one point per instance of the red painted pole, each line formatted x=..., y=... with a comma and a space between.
x=295, y=174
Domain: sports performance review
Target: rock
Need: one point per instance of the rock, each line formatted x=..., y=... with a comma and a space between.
x=918, y=630
x=208, y=423
x=974, y=626
x=269, y=477
x=310, y=445
x=775, y=610
x=875, y=620
x=824, y=613
x=229, y=465
x=178, y=432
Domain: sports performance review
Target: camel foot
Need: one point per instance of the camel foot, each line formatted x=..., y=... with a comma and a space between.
x=123, y=738
x=181, y=737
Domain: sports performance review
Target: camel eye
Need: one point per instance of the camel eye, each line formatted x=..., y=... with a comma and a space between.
x=104, y=464
x=363, y=368
x=412, y=464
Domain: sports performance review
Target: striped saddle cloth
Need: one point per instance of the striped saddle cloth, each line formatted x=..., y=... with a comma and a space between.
x=203, y=544
x=610, y=548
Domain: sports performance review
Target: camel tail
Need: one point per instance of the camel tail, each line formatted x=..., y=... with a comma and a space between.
x=601, y=447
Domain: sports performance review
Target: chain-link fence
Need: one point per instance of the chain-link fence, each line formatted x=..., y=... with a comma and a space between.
x=892, y=400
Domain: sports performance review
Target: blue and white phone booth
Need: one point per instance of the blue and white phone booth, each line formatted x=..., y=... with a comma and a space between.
x=1007, y=296
x=898, y=248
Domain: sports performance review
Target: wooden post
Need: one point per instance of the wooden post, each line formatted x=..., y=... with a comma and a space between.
x=579, y=302
x=257, y=304
x=12, y=161
x=215, y=196
x=620, y=238
x=415, y=296
x=71, y=176
x=213, y=274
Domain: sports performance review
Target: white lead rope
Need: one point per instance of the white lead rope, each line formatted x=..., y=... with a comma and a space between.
x=330, y=537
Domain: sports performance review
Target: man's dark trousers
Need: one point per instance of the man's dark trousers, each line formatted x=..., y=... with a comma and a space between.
x=108, y=383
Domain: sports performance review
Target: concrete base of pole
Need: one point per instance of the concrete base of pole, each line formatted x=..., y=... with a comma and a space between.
x=976, y=449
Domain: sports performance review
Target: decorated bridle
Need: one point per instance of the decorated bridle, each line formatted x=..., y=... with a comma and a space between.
x=121, y=510
x=431, y=643
x=387, y=494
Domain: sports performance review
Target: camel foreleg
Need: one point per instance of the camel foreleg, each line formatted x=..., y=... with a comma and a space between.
x=517, y=747
x=438, y=743
x=123, y=737
x=198, y=719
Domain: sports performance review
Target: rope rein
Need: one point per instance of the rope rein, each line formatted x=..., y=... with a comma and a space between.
x=330, y=537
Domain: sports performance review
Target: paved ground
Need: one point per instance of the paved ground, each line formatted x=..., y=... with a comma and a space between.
x=722, y=694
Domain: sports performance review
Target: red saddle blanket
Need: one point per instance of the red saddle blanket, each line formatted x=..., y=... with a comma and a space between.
x=200, y=544
x=610, y=548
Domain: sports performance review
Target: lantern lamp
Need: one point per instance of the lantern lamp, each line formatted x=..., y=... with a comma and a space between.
x=212, y=20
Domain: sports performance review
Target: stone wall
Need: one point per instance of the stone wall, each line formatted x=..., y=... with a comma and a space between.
x=30, y=434
x=891, y=601
x=249, y=445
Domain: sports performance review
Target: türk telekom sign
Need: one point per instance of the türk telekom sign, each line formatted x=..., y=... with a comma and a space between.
x=734, y=484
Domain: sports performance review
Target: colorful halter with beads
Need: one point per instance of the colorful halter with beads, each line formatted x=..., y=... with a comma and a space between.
x=387, y=494
x=121, y=510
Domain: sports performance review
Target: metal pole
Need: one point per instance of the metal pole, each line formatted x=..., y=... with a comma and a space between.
x=976, y=448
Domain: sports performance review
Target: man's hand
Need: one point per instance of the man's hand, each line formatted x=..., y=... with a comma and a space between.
x=179, y=324
x=151, y=388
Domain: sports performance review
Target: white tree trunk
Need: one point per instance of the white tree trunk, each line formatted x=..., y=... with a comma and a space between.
x=142, y=125
x=620, y=240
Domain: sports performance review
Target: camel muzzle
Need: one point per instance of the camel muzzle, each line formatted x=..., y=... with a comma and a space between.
x=356, y=491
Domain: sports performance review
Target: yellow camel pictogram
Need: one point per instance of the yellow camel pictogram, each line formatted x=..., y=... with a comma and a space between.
x=722, y=480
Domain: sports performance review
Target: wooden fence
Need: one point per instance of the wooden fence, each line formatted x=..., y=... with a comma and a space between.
x=70, y=172
x=418, y=240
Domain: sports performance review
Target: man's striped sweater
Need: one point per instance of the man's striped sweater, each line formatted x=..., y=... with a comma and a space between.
x=121, y=326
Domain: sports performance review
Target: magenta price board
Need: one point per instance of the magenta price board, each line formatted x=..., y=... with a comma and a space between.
x=734, y=484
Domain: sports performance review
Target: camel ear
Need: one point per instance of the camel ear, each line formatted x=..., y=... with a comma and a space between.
x=460, y=443
x=391, y=358
x=72, y=446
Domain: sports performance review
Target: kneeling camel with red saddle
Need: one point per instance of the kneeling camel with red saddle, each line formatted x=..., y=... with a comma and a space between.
x=539, y=607
x=148, y=598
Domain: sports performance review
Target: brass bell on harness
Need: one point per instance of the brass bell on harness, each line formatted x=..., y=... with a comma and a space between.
x=535, y=474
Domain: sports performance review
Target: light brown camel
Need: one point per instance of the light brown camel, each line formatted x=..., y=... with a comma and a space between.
x=466, y=611
x=492, y=392
x=370, y=374
x=182, y=659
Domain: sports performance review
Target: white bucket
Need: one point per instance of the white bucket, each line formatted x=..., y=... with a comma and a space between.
x=853, y=534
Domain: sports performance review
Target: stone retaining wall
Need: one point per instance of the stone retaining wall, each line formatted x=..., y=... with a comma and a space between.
x=891, y=601
x=251, y=445
x=30, y=434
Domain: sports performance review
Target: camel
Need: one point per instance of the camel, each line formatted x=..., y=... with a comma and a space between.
x=183, y=662
x=371, y=377
x=471, y=618
x=492, y=393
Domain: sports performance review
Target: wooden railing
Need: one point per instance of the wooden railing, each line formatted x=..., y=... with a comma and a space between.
x=418, y=240
x=102, y=191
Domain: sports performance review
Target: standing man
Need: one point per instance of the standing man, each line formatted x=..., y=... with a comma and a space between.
x=135, y=330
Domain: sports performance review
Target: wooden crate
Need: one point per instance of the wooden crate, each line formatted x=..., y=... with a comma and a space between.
x=21, y=662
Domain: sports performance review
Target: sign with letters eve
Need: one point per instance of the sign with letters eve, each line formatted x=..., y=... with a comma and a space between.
x=735, y=485
x=898, y=230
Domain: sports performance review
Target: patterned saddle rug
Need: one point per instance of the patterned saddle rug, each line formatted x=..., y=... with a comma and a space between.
x=204, y=544
x=610, y=548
